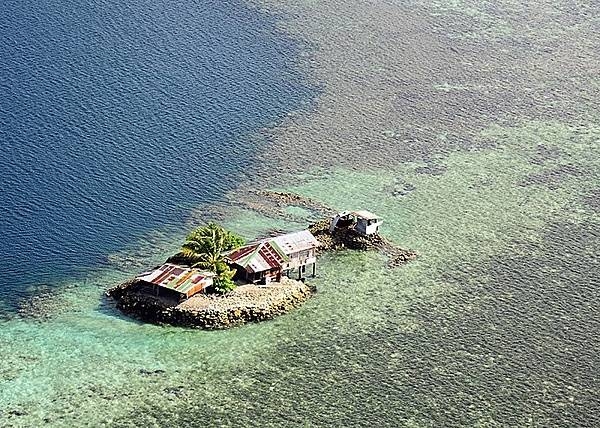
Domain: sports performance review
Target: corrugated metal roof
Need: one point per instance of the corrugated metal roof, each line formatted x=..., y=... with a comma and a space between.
x=238, y=255
x=273, y=252
x=296, y=241
x=178, y=278
x=259, y=256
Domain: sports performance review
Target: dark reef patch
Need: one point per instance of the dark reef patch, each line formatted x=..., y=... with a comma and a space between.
x=498, y=349
x=592, y=200
x=552, y=177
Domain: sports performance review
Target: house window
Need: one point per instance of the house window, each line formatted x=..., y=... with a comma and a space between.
x=303, y=254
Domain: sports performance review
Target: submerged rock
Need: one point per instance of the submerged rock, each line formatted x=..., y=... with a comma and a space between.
x=151, y=372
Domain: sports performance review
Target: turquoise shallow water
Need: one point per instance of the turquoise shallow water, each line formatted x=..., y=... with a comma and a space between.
x=493, y=325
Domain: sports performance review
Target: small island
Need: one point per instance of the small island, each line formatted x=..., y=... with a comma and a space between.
x=217, y=281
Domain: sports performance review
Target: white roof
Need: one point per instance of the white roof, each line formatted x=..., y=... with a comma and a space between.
x=365, y=214
x=296, y=241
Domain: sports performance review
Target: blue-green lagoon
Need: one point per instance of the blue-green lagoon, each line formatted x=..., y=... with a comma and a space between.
x=476, y=139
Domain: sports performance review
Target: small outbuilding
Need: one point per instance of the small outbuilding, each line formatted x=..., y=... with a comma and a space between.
x=175, y=281
x=362, y=221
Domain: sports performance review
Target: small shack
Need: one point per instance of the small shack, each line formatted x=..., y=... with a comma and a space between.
x=174, y=281
x=362, y=221
x=268, y=259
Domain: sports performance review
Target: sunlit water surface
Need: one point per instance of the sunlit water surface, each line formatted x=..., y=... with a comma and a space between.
x=117, y=118
x=493, y=325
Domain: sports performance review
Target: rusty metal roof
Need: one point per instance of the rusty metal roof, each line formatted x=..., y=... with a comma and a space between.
x=179, y=278
x=259, y=256
x=272, y=253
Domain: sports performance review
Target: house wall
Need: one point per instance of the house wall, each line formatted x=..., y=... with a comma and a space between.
x=367, y=227
x=256, y=277
x=198, y=288
x=240, y=273
x=157, y=290
x=301, y=258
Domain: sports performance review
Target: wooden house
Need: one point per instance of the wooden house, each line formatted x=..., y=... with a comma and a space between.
x=301, y=251
x=174, y=281
x=258, y=262
x=268, y=259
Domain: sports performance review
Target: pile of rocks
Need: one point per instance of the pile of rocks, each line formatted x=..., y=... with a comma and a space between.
x=247, y=303
x=349, y=238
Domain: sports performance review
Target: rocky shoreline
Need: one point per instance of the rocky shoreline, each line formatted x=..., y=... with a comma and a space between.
x=247, y=303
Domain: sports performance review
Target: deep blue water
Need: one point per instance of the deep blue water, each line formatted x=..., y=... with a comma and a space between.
x=116, y=117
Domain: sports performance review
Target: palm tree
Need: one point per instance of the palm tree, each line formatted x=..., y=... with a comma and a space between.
x=205, y=248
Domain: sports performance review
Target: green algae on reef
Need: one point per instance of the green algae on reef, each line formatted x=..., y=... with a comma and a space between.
x=492, y=325
x=474, y=332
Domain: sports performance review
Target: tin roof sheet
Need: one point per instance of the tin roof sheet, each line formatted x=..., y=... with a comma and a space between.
x=296, y=241
x=179, y=278
x=365, y=214
x=259, y=256
x=271, y=253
